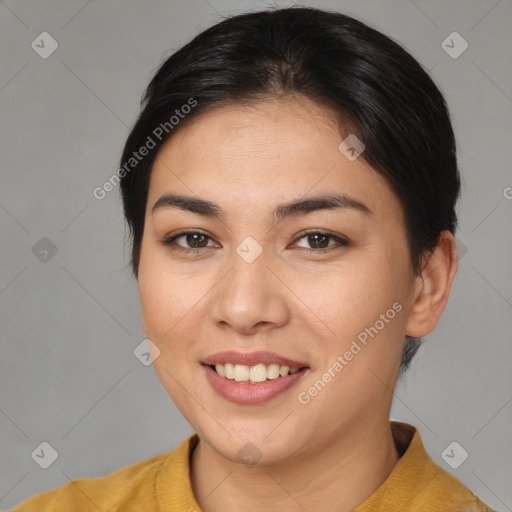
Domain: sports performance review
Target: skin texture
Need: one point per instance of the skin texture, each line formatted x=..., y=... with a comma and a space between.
x=333, y=452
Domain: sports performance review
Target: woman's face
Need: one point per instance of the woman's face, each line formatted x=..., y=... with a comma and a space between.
x=336, y=304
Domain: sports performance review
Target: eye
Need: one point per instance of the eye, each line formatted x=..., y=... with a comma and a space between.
x=195, y=240
x=319, y=241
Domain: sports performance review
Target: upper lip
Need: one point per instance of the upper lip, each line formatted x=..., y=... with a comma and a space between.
x=251, y=359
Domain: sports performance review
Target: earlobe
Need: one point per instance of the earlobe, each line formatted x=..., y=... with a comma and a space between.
x=432, y=287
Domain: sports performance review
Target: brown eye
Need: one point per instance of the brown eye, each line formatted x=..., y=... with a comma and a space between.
x=319, y=241
x=194, y=241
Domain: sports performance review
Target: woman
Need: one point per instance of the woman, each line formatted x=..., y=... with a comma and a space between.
x=290, y=187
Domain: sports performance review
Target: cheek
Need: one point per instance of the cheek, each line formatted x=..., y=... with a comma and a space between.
x=171, y=303
x=363, y=308
x=163, y=312
x=157, y=294
x=162, y=302
x=152, y=300
x=351, y=296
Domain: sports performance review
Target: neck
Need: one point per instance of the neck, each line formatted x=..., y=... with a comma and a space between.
x=338, y=476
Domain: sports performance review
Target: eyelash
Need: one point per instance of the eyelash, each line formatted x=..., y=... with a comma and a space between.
x=343, y=242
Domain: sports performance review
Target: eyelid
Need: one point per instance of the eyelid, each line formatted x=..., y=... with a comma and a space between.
x=318, y=231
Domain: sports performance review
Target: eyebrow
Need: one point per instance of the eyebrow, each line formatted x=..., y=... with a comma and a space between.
x=301, y=207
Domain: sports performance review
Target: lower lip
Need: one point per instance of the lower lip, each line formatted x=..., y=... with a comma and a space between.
x=249, y=394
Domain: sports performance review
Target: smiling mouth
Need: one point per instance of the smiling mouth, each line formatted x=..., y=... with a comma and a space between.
x=254, y=374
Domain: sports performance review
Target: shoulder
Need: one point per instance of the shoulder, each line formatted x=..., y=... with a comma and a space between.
x=418, y=484
x=134, y=483
x=449, y=493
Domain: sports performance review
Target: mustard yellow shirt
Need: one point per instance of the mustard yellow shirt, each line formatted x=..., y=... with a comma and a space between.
x=162, y=483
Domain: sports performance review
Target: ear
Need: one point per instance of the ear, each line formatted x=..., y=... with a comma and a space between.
x=432, y=287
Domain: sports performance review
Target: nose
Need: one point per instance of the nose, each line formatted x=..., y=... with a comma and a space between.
x=251, y=298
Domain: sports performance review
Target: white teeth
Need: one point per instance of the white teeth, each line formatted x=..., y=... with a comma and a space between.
x=272, y=371
x=241, y=373
x=253, y=374
x=258, y=373
x=229, y=370
x=219, y=368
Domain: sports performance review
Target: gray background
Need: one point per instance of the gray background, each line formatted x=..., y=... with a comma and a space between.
x=70, y=324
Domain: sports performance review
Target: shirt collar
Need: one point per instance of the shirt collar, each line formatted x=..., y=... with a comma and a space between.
x=414, y=470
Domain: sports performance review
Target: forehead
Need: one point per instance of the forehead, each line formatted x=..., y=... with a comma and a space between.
x=264, y=153
x=261, y=130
